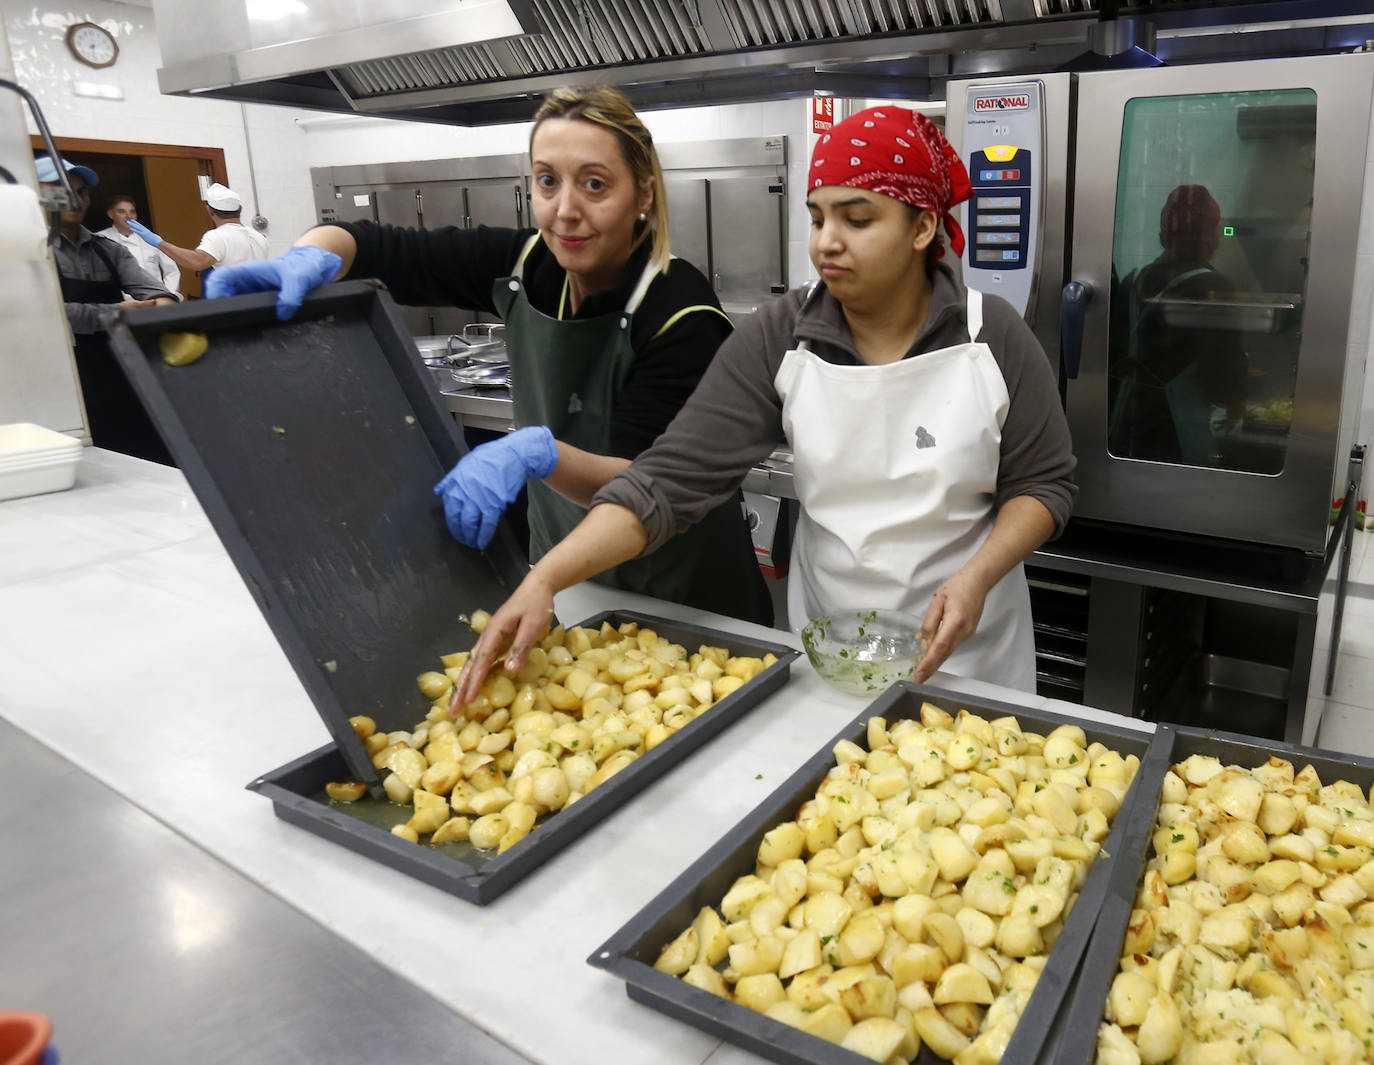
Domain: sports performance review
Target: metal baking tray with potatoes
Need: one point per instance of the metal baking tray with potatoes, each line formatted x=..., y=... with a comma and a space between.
x=1243, y=931
x=841, y=873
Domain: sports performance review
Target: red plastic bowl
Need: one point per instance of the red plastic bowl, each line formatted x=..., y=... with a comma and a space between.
x=23, y=1035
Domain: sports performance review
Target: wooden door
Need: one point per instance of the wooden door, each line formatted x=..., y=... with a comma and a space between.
x=179, y=214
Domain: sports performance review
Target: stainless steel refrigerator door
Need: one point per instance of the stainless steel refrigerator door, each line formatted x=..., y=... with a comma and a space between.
x=495, y=203
x=1245, y=464
x=688, y=216
x=748, y=219
x=441, y=203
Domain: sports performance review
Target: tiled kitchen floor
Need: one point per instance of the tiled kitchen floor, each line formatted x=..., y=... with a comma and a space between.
x=1347, y=723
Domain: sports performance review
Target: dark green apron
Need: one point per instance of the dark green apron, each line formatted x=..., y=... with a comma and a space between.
x=566, y=375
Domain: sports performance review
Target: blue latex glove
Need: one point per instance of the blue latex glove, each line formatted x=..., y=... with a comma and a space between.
x=478, y=490
x=291, y=276
x=143, y=231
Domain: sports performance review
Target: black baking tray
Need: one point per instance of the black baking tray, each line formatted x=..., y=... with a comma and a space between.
x=313, y=446
x=632, y=951
x=1078, y=1038
x=295, y=789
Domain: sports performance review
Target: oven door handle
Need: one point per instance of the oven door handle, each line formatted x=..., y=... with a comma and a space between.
x=1073, y=308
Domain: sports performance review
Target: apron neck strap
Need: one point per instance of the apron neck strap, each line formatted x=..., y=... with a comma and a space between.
x=975, y=314
x=646, y=278
x=519, y=270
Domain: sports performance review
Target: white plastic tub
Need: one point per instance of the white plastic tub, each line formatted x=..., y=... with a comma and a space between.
x=35, y=460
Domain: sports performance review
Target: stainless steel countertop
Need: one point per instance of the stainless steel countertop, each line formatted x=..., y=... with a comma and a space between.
x=142, y=947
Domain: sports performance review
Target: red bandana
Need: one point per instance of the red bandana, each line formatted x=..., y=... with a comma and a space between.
x=898, y=153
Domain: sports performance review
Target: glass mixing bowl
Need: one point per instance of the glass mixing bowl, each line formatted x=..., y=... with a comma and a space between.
x=863, y=652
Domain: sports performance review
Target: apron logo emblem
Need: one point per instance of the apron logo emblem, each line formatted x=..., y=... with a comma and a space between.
x=574, y=403
x=923, y=438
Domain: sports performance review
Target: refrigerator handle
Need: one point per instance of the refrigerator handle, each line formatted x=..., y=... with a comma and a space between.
x=1073, y=307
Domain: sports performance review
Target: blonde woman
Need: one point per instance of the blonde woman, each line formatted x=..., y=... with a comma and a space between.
x=607, y=337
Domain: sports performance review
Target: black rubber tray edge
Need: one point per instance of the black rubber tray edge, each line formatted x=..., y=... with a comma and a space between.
x=630, y=953
x=1078, y=1045
x=290, y=785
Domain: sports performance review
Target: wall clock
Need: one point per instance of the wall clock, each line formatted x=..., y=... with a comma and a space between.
x=93, y=45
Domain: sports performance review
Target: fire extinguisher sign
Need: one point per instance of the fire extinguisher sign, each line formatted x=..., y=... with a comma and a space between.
x=822, y=114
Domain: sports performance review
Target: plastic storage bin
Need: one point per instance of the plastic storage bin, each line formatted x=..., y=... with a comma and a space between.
x=34, y=460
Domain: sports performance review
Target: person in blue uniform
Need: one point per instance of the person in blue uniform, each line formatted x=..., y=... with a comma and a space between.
x=607, y=336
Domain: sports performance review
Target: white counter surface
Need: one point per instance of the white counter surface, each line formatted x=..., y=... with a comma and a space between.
x=132, y=648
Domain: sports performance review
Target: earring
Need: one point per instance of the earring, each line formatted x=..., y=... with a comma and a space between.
x=642, y=216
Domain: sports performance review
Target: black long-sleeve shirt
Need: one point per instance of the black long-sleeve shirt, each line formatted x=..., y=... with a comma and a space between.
x=457, y=267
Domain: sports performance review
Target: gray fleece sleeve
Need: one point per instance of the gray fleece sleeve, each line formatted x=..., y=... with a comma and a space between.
x=731, y=421
x=1037, y=453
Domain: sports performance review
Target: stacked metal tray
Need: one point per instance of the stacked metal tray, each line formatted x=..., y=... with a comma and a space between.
x=631, y=952
x=1084, y=1014
x=314, y=446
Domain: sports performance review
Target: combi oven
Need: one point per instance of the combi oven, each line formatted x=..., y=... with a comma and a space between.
x=1184, y=243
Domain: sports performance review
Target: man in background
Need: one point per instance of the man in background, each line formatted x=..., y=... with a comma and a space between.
x=156, y=264
x=95, y=274
x=226, y=243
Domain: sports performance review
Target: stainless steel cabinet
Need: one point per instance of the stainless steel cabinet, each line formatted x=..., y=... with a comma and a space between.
x=727, y=214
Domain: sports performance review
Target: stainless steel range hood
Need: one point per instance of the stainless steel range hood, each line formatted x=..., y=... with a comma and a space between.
x=472, y=62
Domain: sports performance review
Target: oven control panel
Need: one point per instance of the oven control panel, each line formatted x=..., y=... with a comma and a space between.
x=1002, y=147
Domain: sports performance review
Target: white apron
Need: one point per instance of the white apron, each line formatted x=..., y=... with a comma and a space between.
x=896, y=472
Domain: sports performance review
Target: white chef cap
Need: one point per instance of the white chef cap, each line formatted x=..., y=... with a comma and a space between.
x=223, y=198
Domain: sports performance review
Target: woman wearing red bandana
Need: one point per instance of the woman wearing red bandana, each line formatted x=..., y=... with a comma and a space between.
x=931, y=452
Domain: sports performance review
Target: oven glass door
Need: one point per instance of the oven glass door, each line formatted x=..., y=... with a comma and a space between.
x=1206, y=320
x=1209, y=271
